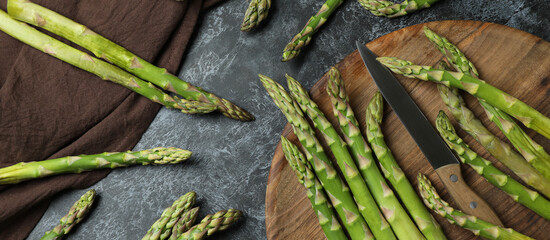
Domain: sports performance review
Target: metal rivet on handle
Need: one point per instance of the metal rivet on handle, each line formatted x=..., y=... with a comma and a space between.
x=473, y=204
x=454, y=178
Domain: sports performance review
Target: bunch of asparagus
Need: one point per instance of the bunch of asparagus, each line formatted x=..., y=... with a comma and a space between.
x=371, y=209
x=257, y=11
x=532, y=165
x=177, y=222
x=130, y=71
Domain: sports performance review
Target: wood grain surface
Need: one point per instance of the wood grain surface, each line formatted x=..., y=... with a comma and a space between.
x=512, y=60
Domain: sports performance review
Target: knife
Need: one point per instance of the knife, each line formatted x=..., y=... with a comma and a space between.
x=441, y=158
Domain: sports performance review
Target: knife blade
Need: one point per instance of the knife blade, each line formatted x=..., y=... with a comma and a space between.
x=445, y=163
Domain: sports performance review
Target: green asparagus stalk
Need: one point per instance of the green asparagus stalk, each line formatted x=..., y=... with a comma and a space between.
x=322, y=207
x=477, y=226
x=388, y=164
x=212, y=223
x=76, y=214
x=390, y=9
x=101, y=47
x=255, y=13
x=467, y=120
x=293, y=48
x=76, y=164
x=185, y=222
x=106, y=71
x=531, y=151
x=396, y=215
x=335, y=188
x=496, y=147
x=162, y=228
x=367, y=205
x=485, y=168
x=527, y=115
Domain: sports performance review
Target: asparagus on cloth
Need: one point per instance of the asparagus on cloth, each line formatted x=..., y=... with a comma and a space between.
x=76, y=214
x=106, y=71
x=255, y=13
x=388, y=164
x=75, y=164
x=477, y=226
x=293, y=48
x=530, y=117
x=101, y=47
x=322, y=207
x=335, y=188
x=485, y=168
x=162, y=228
x=395, y=214
x=212, y=223
x=390, y=9
x=361, y=193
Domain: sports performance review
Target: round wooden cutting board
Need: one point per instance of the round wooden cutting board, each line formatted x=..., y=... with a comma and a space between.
x=514, y=61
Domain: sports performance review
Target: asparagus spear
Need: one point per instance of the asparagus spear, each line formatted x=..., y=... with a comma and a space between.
x=390, y=9
x=467, y=120
x=395, y=214
x=303, y=38
x=211, y=224
x=106, y=71
x=162, y=228
x=531, y=151
x=322, y=207
x=530, y=117
x=335, y=188
x=514, y=189
x=101, y=47
x=477, y=226
x=76, y=214
x=367, y=205
x=390, y=168
x=255, y=13
x=75, y=164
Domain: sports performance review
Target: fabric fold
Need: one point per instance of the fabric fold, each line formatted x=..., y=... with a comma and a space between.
x=50, y=109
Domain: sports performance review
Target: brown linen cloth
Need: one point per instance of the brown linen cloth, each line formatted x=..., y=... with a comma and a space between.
x=50, y=109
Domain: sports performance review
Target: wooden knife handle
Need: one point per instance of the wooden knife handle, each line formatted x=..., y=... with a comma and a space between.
x=466, y=199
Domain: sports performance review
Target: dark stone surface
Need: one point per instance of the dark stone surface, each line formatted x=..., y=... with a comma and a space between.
x=231, y=159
